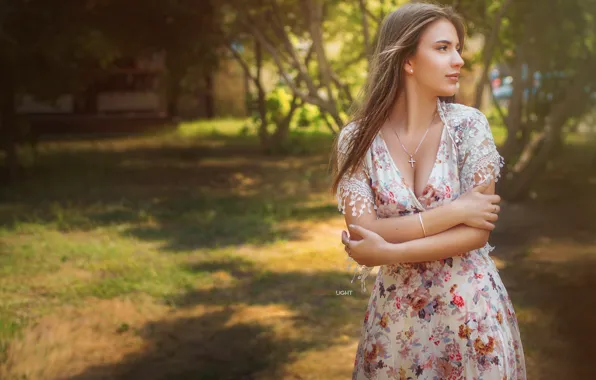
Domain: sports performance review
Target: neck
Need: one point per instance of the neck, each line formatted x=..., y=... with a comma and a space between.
x=413, y=112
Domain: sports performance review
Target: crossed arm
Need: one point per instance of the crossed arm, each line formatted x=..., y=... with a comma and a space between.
x=448, y=231
x=403, y=238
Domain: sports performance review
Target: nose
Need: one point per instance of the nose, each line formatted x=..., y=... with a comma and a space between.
x=457, y=61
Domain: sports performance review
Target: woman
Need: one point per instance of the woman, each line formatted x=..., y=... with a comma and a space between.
x=416, y=181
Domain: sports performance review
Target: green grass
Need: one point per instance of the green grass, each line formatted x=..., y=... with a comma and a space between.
x=220, y=127
x=191, y=218
x=122, y=216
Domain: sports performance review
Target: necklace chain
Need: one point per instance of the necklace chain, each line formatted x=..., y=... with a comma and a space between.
x=412, y=161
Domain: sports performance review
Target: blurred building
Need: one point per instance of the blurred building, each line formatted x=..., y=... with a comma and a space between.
x=135, y=93
x=132, y=86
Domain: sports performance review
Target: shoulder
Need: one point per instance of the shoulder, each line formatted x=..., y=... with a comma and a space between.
x=349, y=130
x=460, y=113
x=469, y=125
x=346, y=136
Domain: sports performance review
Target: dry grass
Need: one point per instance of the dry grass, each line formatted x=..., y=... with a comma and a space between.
x=191, y=256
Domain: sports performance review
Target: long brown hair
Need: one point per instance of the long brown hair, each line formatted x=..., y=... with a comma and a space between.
x=397, y=41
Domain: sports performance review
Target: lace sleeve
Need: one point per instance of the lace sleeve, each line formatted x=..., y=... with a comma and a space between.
x=479, y=159
x=354, y=191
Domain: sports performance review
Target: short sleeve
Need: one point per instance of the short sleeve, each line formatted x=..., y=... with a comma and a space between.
x=479, y=159
x=354, y=192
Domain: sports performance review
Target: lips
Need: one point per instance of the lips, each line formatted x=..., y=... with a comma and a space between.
x=454, y=76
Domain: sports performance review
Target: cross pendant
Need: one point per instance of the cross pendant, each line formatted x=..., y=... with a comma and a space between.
x=412, y=161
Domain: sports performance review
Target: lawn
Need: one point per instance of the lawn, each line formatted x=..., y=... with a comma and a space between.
x=189, y=255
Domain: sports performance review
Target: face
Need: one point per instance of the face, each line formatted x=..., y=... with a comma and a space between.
x=437, y=62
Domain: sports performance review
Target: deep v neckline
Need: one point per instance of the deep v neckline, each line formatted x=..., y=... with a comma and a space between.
x=430, y=174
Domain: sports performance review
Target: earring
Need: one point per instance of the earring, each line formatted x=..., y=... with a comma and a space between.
x=412, y=71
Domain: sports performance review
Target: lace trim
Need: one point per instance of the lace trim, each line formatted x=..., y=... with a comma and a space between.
x=360, y=271
x=356, y=186
x=485, y=253
x=478, y=159
x=358, y=191
x=482, y=168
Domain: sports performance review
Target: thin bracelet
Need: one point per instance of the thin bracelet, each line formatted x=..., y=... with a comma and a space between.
x=422, y=224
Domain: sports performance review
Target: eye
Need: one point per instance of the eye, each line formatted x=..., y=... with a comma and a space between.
x=442, y=48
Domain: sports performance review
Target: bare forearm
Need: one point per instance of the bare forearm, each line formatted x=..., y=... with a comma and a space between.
x=407, y=228
x=453, y=242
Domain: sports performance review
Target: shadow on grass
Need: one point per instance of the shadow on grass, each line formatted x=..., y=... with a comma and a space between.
x=211, y=346
x=226, y=196
x=560, y=333
x=188, y=196
x=221, y=345
x=549, y=248
x=199, y=348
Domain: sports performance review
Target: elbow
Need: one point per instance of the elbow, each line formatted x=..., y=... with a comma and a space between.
x=365, y=223
x=482, y=239
x=362, y=224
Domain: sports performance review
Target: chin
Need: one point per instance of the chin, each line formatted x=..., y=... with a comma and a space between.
x=449, y=91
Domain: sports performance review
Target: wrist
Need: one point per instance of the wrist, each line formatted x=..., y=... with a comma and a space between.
x=393, y=253
x=456, y=212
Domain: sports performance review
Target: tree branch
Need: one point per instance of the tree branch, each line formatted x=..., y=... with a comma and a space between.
x=488, y=50
x=363, y=11
x=241, y=61
x=281, y=33
x=315, y=21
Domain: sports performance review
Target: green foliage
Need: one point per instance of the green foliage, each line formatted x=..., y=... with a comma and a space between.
x=309, y=116
x=307, y=141
x=278, y=104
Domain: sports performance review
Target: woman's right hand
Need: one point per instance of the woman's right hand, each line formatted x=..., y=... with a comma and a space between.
x=477, y=209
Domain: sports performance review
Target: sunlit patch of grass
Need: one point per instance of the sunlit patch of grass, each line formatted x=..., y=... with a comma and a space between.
x=51, y=267
x=115, y=217
x=288, y=310
x=219, y=127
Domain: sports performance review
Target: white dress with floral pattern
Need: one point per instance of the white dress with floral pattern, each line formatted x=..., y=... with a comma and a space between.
x=447, y=319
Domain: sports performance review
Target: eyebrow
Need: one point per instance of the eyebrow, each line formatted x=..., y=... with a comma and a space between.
x=445, y=42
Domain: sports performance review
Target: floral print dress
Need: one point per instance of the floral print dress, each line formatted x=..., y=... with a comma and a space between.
x=446, y=319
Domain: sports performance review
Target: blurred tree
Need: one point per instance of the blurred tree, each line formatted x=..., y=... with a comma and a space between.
x=187, y=31
x=553, y=83
x=318, y=48
x=55, y=47
x=548, y=47
x=46, y=48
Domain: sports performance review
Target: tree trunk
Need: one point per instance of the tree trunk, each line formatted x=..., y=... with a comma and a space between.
x=512, y=144
x=490, y=43
x=8, y=131
x=517, y=187
x=174, y=90
x=314, y=11
x=536, y=154
x=365, y=29
x=261, y=99
x=173, y=99
x=280, y=137
x=209, y=96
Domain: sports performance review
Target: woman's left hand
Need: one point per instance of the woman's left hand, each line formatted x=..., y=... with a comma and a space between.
x=367, y=251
